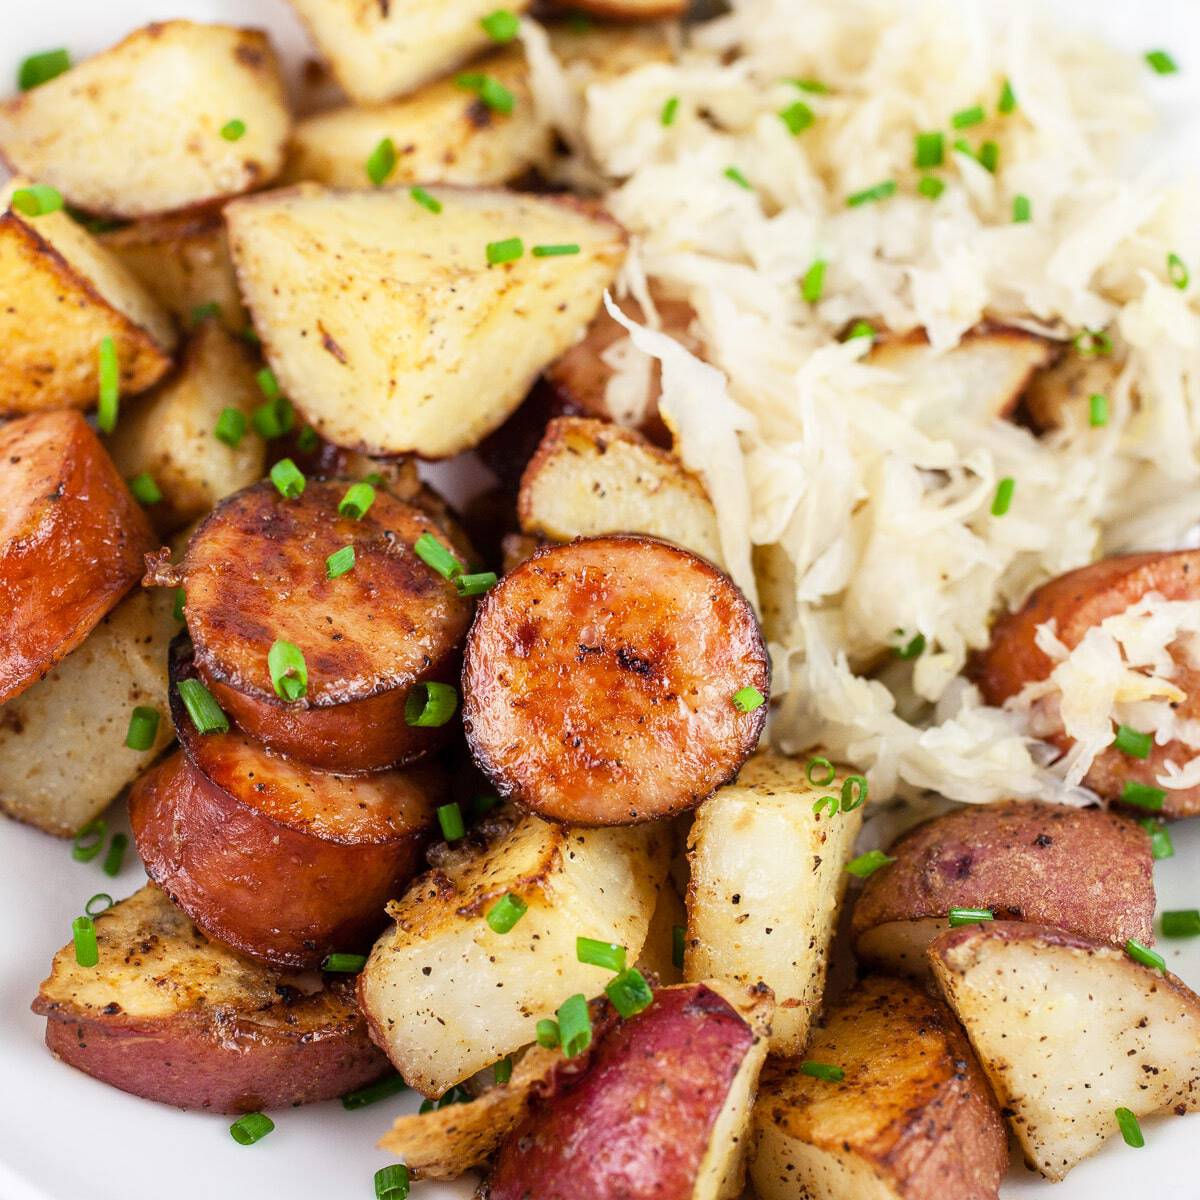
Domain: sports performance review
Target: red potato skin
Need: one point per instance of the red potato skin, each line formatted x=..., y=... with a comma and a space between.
x=1079, y=600
x=72, y=540
x=598, y=681
x=1084, y=870
x=636, y=1124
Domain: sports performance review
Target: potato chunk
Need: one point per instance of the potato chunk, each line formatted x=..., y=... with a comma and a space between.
x=185, y=82
x=387, y=324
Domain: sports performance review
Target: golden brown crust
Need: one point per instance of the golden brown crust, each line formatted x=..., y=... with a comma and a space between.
x=598, y=681
x=71, y=542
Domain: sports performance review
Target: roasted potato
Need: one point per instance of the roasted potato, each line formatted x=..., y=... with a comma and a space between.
x=596, y=52
x=599, y=681
x=589, y=478
x=659, y=956
x=1068, y=1030
x=254, y=573
x=63, y=295
x=1076, y=602
x=767, y=880
x=1059, y=394
x=72, y=541
x=63, y=757
x=171, y=1016
x=183, y=262
x=76, y=133
x=446, y=995
x=1080, y=869
x=912, y=1119
x=442, y=134
x=662, y=1107
x=386, y=323
x=170, y=433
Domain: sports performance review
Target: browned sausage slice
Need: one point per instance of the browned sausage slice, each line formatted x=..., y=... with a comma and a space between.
x=1078, y=601
x=72, y=540
x=255, y=573
x=599, y=679
x=279, y=860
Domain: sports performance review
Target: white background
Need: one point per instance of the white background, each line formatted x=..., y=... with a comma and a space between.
x=64, y=1136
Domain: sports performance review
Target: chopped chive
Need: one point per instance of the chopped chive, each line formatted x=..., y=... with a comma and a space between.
x=629, y=993
x=502, y=1071
x=828, y=772
x=881, y=191
x=930, y=187
x=1143, y=795
x=41, y=68
x=669, y=111
x=1130, y=741
x=250, y=336
x=430, y=705
x=36, y=200
x=826, y=1071
x=251, y=1128
x=143, y=728
x=374, y=479
x=203, y=311
x=1144, y=955
x=450, y=818
x=813, y=86
x=732, y=173
x=307, y=440
x=747, y=699
x=1002, y=501
x=595, y=953
x=289, y=672
x=1177, y=271
x=433, y=554
x=797, y=117
x=180, y=601
x=288, y=479
x=109, y=375
x=144, y=489
x=1161, y=62
x=912, y=649
x=273, y=419
x=547, y=1034
x=202, y=707
x=1181, y=923
x=929, y=149
x=1098, y=416
x=966, y=117
x=989, y=156
x=969, y=916
x=483, y=803
x=233, y=131
x=89, y=840
x=854, y=792
x=475, y=585
x=267, y=383
x=115, y=858
x=1131, y=1131
x=381, y=162
x=100, y=902
x=861, y=329
x=501, y=25
x=826, y=804
x=555, y=251
x=83, y=932
x=344, y=964
x=357, y=501
x=489, y=89
x=504, y=251
x=678, y=934
x=373, y=1093
x=1161, y=845
x=339, y=562
x=813, y=283
x=1008, y=98
x=425, y=200
x=1092, y=343
x=505, y=913
x=869, y=863
x=1022, y=210
x=574, y=1025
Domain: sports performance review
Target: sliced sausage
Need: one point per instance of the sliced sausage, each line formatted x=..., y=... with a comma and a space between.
x=1077, y=601
x=599, y=678
x=72, y=540
x=255, y=573
x=277, y=859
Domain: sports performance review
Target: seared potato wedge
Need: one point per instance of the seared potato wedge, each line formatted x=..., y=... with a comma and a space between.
x=1080, y=869
x=661, y=1108
x=75, y=132
x=183, y=263
x=1067, y=1031
x=597, y=52
x=447, y=996
x=767, y=880
x=1059, y=395
x=63, y=757
x=1076, y=602
x=63, y=295
x=171, y=1016
x=385, y=322
x=442, y=134
x=912, y=1119
x=169, y=433
x=589, y=477
x=72, y=542
x=377, y=51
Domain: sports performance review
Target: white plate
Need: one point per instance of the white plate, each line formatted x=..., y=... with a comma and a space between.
x=64, y=1136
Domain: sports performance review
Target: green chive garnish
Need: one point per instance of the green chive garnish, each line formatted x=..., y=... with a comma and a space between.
x=813, y=86
x=669, y=111
x=1177, y=271
x=854, y=792
x=1143, y=795
x=234, y=130
x=450, y=818
x=144, y=489
x=1161, y=62
x=608, y=955
x=392, y=1182
x=1130, y=741
x=36, y=200
x=344, y=964
x=827, y=805
x=1008, y=98
x=678, y=935
x=813, y=283
x=966, y=117
x=307, y=440
x=930, y=187
x=1092, y=343
x=881, y=191
x=737, y=177
x=574, y=1025
x=273, y=419
x=1004, y=494
x=555, y=251
x=969, y=916
x=180, y=601
x=289, y=672
x=547, y=1034
x=202, y=312
x=357, y=501
x=629, y=993
x=381, y=162
x=912, y=649
x=143, y=728
x=115, y=857
x=504, y=251
x=1144, y=955
x=100, y=902
x=109, y=374
x=230, y=427
x=251, y=1128
x=1181, y=923
x=475, y=585
x=861, y=329
x=430, y=705
x=1098, y=413
x=83, y=931
x=797, y=117
x=820, y=772
x=339, y=562
x=1131, y=1131
x=501, y=25
x=288, y=479
x=505, y=913
x=929, y=149
x=502, y=1071
x=267, y=383
x=1022, y=210
x=1161, y=845
x=373, y=1093
x=202, y=707
x=747, y=699
x=89, y=840
x=826, y=1071
x=490, y=90
x=869, y=863
x=425, y=200
x=989, y=156
x=433, y=554
x=41, y=68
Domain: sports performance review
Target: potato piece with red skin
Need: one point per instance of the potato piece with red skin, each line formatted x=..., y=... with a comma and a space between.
x=72, y=540
x=912, y=1119
x=171, y=1016
x=659, y=1114
x=1080, y=869
x=254, y=573
x=1077, y=601
x=599, y=677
